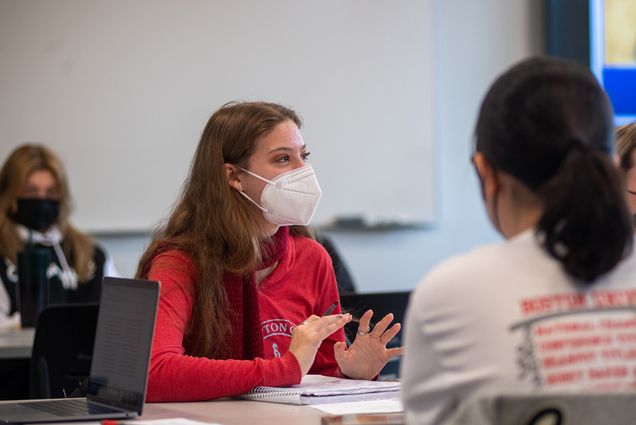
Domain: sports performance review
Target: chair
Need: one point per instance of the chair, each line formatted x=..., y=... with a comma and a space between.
x=381, y=303
x=343, y=277
x=62, y=350
x=548, y=409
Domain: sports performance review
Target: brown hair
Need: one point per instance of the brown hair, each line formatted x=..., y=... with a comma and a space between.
x=211, y=222
x=625, y=145
x=21, y=163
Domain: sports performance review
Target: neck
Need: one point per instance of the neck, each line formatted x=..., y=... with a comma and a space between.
x=521, y=222
x=519, y=208
x=268, y=230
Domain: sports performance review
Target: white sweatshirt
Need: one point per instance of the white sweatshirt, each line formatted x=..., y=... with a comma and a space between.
x=506, y=317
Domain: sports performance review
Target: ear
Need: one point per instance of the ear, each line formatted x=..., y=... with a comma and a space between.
x=487, y=175
x=232, y=176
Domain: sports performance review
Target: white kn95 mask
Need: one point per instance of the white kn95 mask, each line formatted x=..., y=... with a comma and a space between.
x=291, y=198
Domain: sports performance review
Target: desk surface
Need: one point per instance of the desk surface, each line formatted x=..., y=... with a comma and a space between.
x=228, y=412
x=16, y=343
x=236, y=412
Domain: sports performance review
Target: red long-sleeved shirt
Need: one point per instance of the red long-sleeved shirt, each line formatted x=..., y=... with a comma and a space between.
x=302, y=284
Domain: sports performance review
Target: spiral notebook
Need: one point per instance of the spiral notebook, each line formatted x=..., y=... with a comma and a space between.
x=318, y=389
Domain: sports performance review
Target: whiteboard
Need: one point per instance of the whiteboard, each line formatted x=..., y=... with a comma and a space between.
x=121, y=90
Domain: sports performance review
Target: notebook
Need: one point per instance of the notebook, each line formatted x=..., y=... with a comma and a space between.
x=319, y=389
x=381, y=303
x=119, y=368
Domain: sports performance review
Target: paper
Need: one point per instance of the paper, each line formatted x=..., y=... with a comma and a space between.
x=169, y=421
x=318, y=389
x=373, y=406
x=166, y=421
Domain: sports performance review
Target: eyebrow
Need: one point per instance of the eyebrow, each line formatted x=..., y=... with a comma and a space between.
x=285, y=149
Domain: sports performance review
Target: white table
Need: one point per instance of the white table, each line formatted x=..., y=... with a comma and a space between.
x=16, y=343
x=236, y=412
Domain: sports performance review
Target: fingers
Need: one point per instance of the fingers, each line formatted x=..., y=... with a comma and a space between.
x=381, y=326
x=395, y=352
x=309, y=335
x=338, y=349
x=388, y=335
x=364, y=325
x=321, y=327
x=310, y=319
x=330, y=324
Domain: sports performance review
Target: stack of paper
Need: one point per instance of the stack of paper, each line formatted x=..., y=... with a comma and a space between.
x=318, y=389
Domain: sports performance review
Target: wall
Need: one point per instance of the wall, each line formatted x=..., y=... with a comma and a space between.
x=125, y=108
x=475, y=42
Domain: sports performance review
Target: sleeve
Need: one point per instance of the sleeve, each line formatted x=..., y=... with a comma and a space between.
x=176, y=376
x=327, y=292
x=423, y=392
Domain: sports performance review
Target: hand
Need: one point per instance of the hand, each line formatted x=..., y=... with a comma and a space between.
x=368, y=354
x=308, y=336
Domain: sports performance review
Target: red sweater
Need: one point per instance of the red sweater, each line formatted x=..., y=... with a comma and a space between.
x=302, y=284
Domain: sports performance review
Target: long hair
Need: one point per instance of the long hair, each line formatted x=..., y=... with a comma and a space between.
x=211, y=222
x=626, y=145
x=549, y=124
x=21, y=163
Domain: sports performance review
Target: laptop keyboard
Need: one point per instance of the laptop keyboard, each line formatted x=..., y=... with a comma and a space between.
x=68, y=407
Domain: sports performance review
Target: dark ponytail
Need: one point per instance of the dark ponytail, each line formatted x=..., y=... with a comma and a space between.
x=583, y=225
x=548, y=123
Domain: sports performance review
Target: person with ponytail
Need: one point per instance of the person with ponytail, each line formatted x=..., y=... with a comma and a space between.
x=552, y=308
x=35, y=205
x=248, y=297
x=626, y=152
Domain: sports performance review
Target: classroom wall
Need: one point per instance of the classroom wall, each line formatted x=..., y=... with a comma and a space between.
x=476, y=40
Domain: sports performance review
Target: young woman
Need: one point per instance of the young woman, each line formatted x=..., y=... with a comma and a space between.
x=552, y=307
x=626, y=150
x=246, y=293
x=35, y=203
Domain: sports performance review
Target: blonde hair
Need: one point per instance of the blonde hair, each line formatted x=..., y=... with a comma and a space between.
x=211, y=222
x=625, y=145
x=21, y=163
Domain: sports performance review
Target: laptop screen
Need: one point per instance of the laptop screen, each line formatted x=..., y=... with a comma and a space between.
x=123, y=339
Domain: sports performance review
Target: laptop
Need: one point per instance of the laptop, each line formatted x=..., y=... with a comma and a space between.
x=119, y=368
x=382, y=303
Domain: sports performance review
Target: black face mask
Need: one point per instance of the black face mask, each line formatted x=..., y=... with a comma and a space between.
x=37, y=213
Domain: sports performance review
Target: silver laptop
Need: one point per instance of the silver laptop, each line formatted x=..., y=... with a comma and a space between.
x=119, y=369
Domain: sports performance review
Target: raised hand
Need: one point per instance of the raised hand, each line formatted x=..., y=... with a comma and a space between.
x=368, y=353
x=308, y=336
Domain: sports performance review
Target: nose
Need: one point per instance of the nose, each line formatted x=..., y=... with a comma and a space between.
x=298, y=162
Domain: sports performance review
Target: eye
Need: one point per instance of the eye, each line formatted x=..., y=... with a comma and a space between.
x=306, y=155
x=29, y=191
x=283, y=159
x=52, y=193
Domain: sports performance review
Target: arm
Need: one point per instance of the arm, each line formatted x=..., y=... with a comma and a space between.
x=424, y=392
x=176, y=376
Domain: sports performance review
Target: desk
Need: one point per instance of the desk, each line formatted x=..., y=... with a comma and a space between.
x=16, y=343
x=236, y=412
x=15, y=356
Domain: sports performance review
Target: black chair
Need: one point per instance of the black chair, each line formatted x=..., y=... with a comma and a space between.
x=382, y=303
x=343, y=277
x=62, y=350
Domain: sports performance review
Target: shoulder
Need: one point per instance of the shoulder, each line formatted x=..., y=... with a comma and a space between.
x=99, y=253
x=309, y=248
x=624, y=272
x=482, y=269
x=173, y=264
